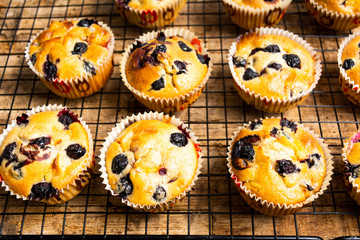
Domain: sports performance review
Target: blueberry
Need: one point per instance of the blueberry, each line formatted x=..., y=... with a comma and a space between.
x=274, y=132
x=255, y=125
x=285, y=167
x=292, y=60
x=125, y=186
x=86, y=22
x=161, y=37
x=75, y=151
x=181, y=66
x=161, y=48
x=274, y=65
x=162, y=171
x=184, y=47
x=343, y=3
x=250, y=139
x=272, y=49
x=42, y=190
x=50, y=71
x=348, y=64
x=158, y=84
x=359, y=45
x=250, y=74
x=22, y=120
x=204, y=59
x=159, y=194
x=33, y=58
x=270, y=1
x=8, y=153
x=89, y=67
x=255, y=51
x=79, y=48
x=312, y=159
x=309, y=188
x=119, y=163
x=289, y=124
x=352, y=170
x=178, y=139
x=41, y=141
x=239, y=62
x=243, y=151
x=66, y=117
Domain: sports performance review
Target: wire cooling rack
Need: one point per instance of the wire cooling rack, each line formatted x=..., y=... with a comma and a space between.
x=213, y=209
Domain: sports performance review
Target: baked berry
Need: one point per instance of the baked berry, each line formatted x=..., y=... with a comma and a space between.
x=161, y=37
x=22, y=164
x=162, y=171
x=352, y=170
x=137, y=45
x=159, y=194
x=8, y=153
x=348, y=64
x=274, y=65
x=158, y=84
x=50, y=71
x=89, y=67
x=125, y=186
x=269, y=48
x=79, y=48
x=284, y=167
x=22, y=120
x=204, y=59
x=243, y=152
x=86, y=22
x=66, y=117
x=119, y=163
x=292, y=60
x=313, y=159
x=33, y=58
x=250, y=74
x=181, y=66
x=42, y=190
x=274, y=132
x=309, y=188
x=255, y=125
x=184, y=47
x=289, y=124
x=161, y=48
x=178, y=139
x=239, y=62
x=75, y=151
x=40, y=142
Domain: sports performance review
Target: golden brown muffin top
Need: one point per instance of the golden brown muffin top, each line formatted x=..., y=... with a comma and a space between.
x=44, y=153
x=166, y=67
x=262, y=3
x=146, y=4
x=350, y=59
x=273, y=65
x=70, y=49
x=151, y=162
x=341, y=6
x=352, y=161
x=278, y=161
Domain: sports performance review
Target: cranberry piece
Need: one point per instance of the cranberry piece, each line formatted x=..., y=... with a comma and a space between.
x=204, y=59
x=79, y=48
x=284, y=167
x=348, y=64
x=89, y=67
x=66, y=117
x=289, y=124
x=250, y=74
x=125, y=186
x=239, y=62
x=159, y=193
x=42, y=190
x=255, y=125
x=178, y=139
x=162, y=171
x=161, y=37
x=181, y=66
x=50, y=71
x=86, y=22
x=119, y=163
x=274, y=65
x=22, y=120
x=158, y=84
x=41, y=141
x=292, y=60
x=75, y=151
x=33, y=58
x=184, y=47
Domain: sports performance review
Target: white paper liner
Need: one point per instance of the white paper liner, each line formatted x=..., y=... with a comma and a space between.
x=331, y=19
x=248, y=17
x=348, y=86
x=151, y=18
x=85, y=174
x=351, y=185
x=85, y=84
x=270, y=208
x=114, y=134
x=167, y=105
x=264, y=103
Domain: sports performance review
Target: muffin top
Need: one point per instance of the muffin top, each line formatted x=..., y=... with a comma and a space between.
x=350, y=59
x=146, y=4
x=273, y=65
x=262, y=3
x=44, y=153
x=352, y=160
x=166, y=67
x=278, y=161
x=151, y=162
x=341, y=6
x=70, y=49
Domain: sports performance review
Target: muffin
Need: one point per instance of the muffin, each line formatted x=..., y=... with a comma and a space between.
x=273, y=69
x=251, y=14
x=46, y=155
x=150, y=161
x=349, y=65
x=166, y=70
x=72, y=58
x=278, y=165
x=335, y=14
x=351, y=166
x=150, y=13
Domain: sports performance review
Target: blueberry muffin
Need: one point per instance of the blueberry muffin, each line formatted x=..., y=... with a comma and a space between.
x=151, y=172
x=275, y=70
x=250, y=14
x=73, y=58
x=168, y=69
x=278, y=163
x=335, y=14
x=46, y=155
x=349, y=64
x=150, y=13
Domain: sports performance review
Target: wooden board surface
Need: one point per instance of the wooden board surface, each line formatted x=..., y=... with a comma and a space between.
x=213, y=207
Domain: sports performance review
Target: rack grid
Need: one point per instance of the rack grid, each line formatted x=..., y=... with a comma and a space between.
x=213, y=209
